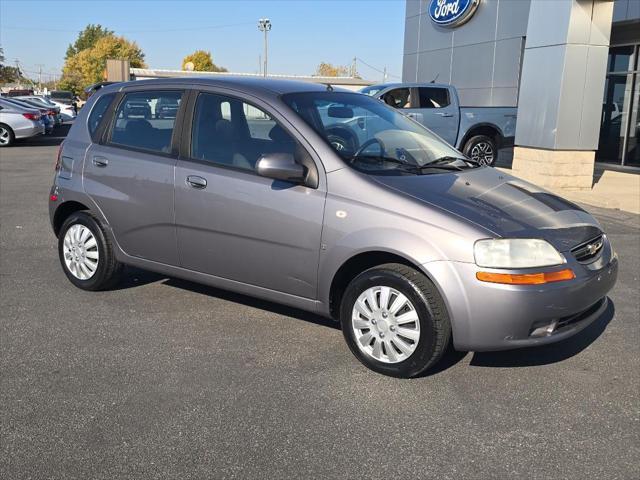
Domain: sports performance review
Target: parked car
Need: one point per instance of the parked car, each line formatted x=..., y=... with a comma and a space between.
x=478, y=132
x=64, y=97
x=405, y=241
x=17, y=122
x=136, y=108
x=45, y=113
x=41, y=102
x=166, y=108
x=67, y=111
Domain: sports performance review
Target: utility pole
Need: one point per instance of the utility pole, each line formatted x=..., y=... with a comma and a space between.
x=354, y=68
x=259, y=64
x=39, y=65
x=264, y=25
x=17, y=62
x=384, y=75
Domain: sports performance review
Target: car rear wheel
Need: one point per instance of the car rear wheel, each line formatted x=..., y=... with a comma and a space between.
x=6, y=135
x=482, y=149
x=86, y=254
x=395, y=321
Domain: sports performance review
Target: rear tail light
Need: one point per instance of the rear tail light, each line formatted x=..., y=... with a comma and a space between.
x=32, y=116
x=51, y=112
x=59, y=159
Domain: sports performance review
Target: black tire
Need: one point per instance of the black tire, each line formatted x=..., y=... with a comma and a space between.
x=435, y=328
x=11, y=136
x=484, y=144
x=108, y=271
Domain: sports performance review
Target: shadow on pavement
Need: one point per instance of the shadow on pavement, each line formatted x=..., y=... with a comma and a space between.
x=523, y=357
x=252, y=302
x=544, y=355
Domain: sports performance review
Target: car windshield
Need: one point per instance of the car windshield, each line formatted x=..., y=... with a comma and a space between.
x=372, y=90
x=371, y=136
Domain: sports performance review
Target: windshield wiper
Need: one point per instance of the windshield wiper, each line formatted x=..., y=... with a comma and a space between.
x=447, y=163
x=380, y=159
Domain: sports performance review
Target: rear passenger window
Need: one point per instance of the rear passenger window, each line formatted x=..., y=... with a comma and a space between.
x=145, y=120
x=433, y=97
x=97, y=113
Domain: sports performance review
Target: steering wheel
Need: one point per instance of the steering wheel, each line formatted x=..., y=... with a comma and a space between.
x=367, y=144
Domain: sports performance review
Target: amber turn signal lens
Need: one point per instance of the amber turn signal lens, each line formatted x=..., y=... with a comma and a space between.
x=526, y=278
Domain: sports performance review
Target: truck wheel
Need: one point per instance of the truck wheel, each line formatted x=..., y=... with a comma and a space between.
x=6, y=135
x=482, y=149
x=394, y=320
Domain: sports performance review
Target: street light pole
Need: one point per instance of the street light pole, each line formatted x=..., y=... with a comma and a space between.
x=264, y=25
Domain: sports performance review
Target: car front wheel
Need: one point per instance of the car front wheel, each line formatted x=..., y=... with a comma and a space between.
x=395, y=321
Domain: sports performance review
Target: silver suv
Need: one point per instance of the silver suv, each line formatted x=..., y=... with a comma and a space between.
x=328, y=201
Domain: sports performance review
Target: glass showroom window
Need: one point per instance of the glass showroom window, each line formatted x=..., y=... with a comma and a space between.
x=620, y=125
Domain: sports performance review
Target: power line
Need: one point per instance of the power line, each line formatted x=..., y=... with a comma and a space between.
x=157, y=30
x=384, y=72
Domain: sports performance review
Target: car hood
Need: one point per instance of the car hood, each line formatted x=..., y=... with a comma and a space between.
x=502, y=204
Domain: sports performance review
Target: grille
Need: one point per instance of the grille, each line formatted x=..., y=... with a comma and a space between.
x=589, y=250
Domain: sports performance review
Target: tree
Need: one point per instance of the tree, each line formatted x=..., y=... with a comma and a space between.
x=88, y=65
x=8, y=74
x=87, y=39
x=330, y=70
x=202, y=62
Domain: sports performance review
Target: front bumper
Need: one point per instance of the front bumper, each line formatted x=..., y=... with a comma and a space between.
x=490, y=316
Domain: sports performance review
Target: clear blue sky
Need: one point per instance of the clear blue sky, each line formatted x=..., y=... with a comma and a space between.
x=305, y=32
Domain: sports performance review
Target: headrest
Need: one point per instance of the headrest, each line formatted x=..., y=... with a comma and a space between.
x=278, y=134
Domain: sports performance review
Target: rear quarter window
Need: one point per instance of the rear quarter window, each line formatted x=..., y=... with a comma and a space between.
x=97, y=114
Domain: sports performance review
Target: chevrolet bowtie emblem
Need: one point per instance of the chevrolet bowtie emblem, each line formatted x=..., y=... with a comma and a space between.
x=594, y=247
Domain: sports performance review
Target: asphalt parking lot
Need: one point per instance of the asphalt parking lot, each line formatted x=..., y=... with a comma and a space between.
x=163, y=378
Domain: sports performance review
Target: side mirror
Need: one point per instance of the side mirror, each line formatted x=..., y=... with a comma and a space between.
x=280, y=166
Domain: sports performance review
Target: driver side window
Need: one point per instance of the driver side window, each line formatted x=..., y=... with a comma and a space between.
x=229, y=132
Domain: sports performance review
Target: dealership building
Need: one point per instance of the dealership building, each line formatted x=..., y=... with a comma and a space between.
x=570, y=66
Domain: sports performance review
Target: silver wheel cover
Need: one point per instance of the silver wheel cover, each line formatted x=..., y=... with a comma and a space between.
x=80, y=252
x=4, y=136
x=385, y=324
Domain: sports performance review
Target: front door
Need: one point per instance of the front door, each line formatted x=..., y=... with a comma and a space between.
x=429, y=106
x=234, y=224
x=130, y=177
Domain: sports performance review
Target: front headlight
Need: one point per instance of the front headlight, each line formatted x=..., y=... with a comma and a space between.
x=516, y=253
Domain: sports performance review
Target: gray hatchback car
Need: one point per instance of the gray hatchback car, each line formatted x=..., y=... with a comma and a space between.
x=328, y=201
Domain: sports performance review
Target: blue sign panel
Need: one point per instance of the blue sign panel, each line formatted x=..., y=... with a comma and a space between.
x=451, y=13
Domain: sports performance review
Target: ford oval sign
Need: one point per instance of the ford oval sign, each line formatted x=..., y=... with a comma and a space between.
x=451, y=13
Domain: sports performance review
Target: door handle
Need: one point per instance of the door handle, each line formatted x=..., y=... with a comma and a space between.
x=443, y=114
x=100, y=161
x=197, y=182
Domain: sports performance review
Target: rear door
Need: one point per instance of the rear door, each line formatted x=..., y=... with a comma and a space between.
x=237, y=225
x=129, y=174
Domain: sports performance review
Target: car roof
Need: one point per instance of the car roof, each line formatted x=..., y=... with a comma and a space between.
x=253, y=85
x=18, y=104
x=383, y=86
